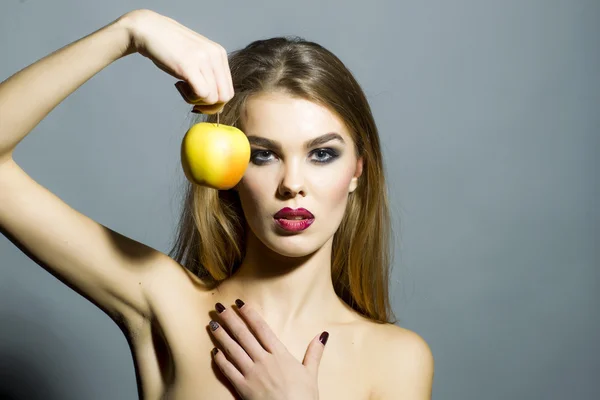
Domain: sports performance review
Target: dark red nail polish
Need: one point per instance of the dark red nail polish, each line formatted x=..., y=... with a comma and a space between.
x=323, y=338
x=213, y=325
x=214, y=351
x=220, y=307
x=239, y=303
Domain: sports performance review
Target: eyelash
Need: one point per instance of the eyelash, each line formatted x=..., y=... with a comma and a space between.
x=333, y=154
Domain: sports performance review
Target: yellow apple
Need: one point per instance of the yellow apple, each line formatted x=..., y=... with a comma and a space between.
x=215, y=155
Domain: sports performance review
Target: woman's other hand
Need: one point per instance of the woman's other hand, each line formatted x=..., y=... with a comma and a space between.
x=257, y=364
x=199, y=63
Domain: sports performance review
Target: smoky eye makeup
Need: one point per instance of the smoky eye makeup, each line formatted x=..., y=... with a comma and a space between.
x=321, y=155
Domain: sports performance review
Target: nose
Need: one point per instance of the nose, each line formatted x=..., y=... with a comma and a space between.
x=292, y=182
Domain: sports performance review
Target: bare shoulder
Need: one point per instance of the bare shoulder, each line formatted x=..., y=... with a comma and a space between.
x=405, y=364
x=177, y=279
x=169, y=279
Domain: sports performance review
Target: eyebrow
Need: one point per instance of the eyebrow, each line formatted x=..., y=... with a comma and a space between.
x=275, y=145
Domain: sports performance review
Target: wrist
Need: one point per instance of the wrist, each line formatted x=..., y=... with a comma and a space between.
x=129, y=24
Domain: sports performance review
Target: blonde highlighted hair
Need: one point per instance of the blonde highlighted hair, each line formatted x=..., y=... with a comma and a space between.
x=210, y=238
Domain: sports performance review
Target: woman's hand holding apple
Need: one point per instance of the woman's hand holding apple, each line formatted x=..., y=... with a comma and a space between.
x=199, y=63
x=212, y=155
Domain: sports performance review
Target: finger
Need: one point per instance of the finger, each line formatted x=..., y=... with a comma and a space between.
x=228, y=369
x=212, y=95
x=208, y=109
x=220, y=78
x=314, y=353
x=227, y=70
x=238, y=329
x=270, y=342
x=234, y=351
x=193, y=89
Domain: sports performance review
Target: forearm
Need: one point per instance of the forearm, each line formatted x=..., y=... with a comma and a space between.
x=30, y=94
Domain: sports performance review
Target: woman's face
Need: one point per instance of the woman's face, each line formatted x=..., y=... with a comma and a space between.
x=286, y=171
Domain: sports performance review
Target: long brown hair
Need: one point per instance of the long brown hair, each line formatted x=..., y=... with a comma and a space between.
x=210, y=239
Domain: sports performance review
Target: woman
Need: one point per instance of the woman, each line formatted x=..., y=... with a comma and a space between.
x=315, y=155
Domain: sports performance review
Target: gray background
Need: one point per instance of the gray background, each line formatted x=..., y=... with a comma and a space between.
x=489, y=116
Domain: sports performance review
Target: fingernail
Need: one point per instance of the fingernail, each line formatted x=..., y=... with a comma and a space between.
x=196, y=111
x=214, y=351
x=213, y=325
x=220, y=307
x=180, y=89
x=323, y=338
x=239, y=303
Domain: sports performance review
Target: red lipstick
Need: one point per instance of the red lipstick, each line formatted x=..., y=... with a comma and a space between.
x=294, y=220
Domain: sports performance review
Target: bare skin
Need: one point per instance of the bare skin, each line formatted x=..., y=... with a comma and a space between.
x=178, y=339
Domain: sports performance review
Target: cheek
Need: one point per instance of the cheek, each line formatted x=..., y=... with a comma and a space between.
x=253, y=193
x=332, y=189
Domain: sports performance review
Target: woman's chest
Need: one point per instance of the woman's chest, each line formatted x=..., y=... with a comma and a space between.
x=174, y=357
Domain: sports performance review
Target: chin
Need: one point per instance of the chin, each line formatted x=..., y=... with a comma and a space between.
x=291, y=246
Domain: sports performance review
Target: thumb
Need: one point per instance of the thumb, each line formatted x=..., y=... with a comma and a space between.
x=313, y=355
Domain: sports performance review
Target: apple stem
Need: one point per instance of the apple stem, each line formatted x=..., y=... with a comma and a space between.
x=218, y=119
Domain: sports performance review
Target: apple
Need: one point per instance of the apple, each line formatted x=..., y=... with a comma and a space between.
x=215, y=155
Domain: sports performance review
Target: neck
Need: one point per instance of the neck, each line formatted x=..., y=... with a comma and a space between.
x=286, y=291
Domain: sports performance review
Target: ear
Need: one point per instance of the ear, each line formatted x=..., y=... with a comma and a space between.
x=357, y=174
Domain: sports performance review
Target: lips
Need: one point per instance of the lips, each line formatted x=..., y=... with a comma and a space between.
x=291, y=214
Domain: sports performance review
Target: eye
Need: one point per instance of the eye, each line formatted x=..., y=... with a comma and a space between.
x=325, y=155
x=263, y=159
